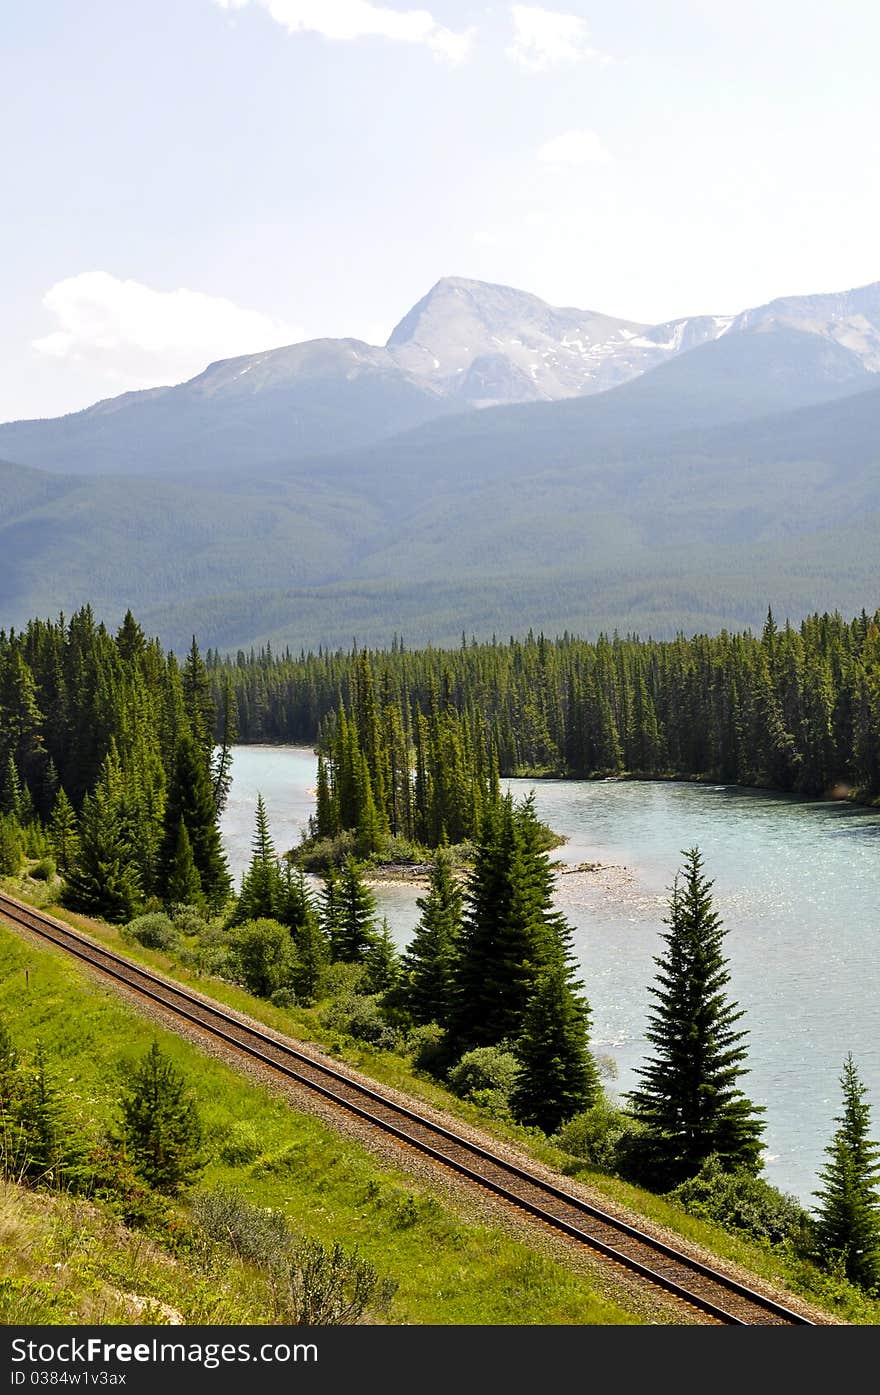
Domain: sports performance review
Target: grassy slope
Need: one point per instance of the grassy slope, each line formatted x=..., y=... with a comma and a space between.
x=840, y=1299
x=450, y=1269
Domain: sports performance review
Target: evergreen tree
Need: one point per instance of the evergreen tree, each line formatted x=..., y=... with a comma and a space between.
x=312, y=957
x=381, y=960
x=429, y=964
x=63, y=833
x=160, y=1126
x=184, y=887
x=355, y=928
x=557, y=1075
x=221, y=759
x=261, y=889
x=331, y=908
x=47, y=1146
x=103, y=880
x=511, y=931
x=190, y=798
x=848, y=1221
x=689, y=1099
x=10, y=846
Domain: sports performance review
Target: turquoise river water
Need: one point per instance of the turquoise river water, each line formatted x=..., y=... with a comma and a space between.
x=797, y=884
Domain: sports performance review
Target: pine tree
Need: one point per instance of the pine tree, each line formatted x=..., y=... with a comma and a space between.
x=221, y=758
x=10, y=846
x=354, y=931
x=557, y=1076
x=848, y=1220
x=429, y=964
x=190, y=797
x=47, y=1145
x=381, y=960
x=312, y=957
x=184, y=887
x=103, y=880
x=511, y=931
x=160, y=1125
x=689, y=1099
x=261, y=888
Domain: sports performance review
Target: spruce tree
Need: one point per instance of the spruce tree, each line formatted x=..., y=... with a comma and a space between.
x=261, y=888
x=183, y=887
x=382, y=961
x=103, y=880
x=429, y=964
x=355, y=929
x=848, y=1217
x=311, y=958
x=63, y=833
x=557, y=1075
x=190, y=797
x=689, y=1099
x=511, y=931
x=159, y=1125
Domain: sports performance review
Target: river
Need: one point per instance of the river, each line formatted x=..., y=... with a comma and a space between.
x=797, y=884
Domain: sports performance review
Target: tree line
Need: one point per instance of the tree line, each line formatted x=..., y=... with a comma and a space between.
x=109, y=765
x=792, y=708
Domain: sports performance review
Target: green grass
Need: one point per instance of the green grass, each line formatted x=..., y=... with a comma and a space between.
x=450, y=1269
x=840, y=1299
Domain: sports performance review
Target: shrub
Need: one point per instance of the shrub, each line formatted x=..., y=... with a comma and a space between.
x=44, y=870
x=429, y=1048
x=188, y=920
x=155, y=931
x=311, y=1285
x=360, y=1015
x=600, y=1135
x=263, y=955
x=743, y=1202
x=283, y=998
x=485, y=1069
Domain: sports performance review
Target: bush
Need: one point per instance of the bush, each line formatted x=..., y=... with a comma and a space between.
x=485, y=1075
x=429, y=1048
x=602, y=1136
x=156, y=931
x=360, y=1015
x=311, y=1285
x=342, y=980
x=263, y=954
x=188, y=920
x=44, y=870
x=741, y=1202
x=283, y=998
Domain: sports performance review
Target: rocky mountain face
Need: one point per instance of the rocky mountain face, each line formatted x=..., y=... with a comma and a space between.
x=490, y=345
x=467, y=344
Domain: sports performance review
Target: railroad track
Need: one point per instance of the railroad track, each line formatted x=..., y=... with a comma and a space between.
x=715, y=1294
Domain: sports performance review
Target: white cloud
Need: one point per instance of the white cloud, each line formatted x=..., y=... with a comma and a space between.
x=141, y=337
x=574, y=148
x=546, y=38
x=359, y=19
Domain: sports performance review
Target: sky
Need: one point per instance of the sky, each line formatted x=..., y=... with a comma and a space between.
x=186, y=180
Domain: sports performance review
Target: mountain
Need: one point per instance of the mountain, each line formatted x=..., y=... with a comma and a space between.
x=697, y=527
x=484, y=345
x=466, y=345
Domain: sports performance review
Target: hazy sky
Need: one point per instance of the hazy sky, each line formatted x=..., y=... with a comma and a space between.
x=184, y=180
